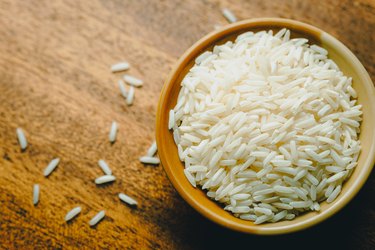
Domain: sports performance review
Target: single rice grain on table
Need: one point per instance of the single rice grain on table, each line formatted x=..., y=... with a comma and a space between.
x=36, y=191
x=113, y=132
x=267, y=125
x=229, y=15
x=125, y=198
x=21, y=138
x=72, y=213
x=104, y=166
x=152, y=150
x=121, y=66
x=149, y=160
x=51, y=167
x=105, y=179
x=130, y=96
x=97, y=218
x=133, y=81
x=122, y=88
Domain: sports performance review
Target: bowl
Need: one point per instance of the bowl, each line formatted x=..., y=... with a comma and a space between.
x=167, y=149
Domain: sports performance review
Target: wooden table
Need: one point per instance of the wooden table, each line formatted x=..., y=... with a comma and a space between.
x=56, y=84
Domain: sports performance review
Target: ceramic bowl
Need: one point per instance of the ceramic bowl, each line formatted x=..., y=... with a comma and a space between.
x=167, y=149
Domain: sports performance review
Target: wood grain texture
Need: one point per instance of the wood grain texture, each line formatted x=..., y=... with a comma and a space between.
x=55, y=83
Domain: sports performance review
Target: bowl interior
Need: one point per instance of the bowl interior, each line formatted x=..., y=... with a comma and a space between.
x=347, y=62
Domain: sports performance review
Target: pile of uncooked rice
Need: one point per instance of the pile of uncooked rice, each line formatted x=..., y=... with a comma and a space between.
x=268, y=125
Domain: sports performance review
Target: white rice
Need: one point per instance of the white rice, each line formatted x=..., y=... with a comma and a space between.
x=152, y=150
x=98, y=217
x=149, y=160
x=267, y=125
x=127, y=199
x=104, y=166
x=122, y=88
x=171, y=122
x=113, y=132
x=229, y=15
x=105, y=179
x=121, y=66
x=36, y=191
x=21, y=138
x=130, y=96
x=72, y=213
x=334, y=194
x=290, y=216
x=133, y=81
x=51, y=167
x=190, y=177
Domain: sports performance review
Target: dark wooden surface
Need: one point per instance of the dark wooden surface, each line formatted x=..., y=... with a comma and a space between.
x=55, y=83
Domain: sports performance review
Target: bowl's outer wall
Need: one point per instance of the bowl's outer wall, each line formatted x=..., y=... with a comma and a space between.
x=347, y=62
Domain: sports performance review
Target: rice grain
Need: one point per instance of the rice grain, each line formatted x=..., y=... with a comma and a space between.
x=105, y=179
x=149, y=160
x=72, y=213
x=133, y=81
x=21, y=138
x=36, y=191
x=152, y=150
x=127, y=199
x=51, y=167
x=130, y=96
x=104, y=166
x=121, y=66
x=122, y=88
x=97, y=218
x=229, y=15
x=113, y=132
